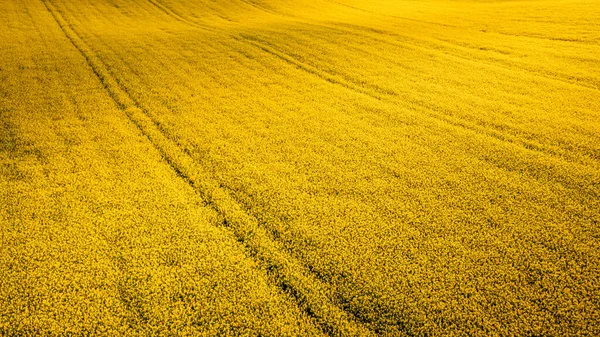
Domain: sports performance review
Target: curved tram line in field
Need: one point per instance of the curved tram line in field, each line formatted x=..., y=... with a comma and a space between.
x=289, y=274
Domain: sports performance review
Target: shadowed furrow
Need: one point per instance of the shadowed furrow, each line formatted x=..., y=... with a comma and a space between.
x=310, y=294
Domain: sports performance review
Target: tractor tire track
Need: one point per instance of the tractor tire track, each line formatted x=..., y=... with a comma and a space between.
x=290, y=276
x=557, y=152
x=459, y=122
x=429, y=109
x=169, y=12
x=367, y=32
x=436, y=111
x=260, y=8
x=375, y=14
x=377, y=93
x=125, y=297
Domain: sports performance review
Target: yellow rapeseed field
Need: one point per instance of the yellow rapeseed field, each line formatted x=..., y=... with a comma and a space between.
x=300, y=168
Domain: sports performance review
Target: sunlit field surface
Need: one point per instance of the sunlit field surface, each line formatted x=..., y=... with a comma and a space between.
x=300, y=168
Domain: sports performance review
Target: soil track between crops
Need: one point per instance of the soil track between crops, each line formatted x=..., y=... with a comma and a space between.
x=289, y=275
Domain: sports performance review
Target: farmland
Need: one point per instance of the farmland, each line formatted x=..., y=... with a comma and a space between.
x=300, y=168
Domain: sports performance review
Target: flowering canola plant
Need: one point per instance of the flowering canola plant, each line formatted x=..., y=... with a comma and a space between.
x=327, y=168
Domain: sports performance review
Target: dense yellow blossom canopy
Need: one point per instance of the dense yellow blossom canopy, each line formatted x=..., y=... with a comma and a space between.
x=299, y=168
